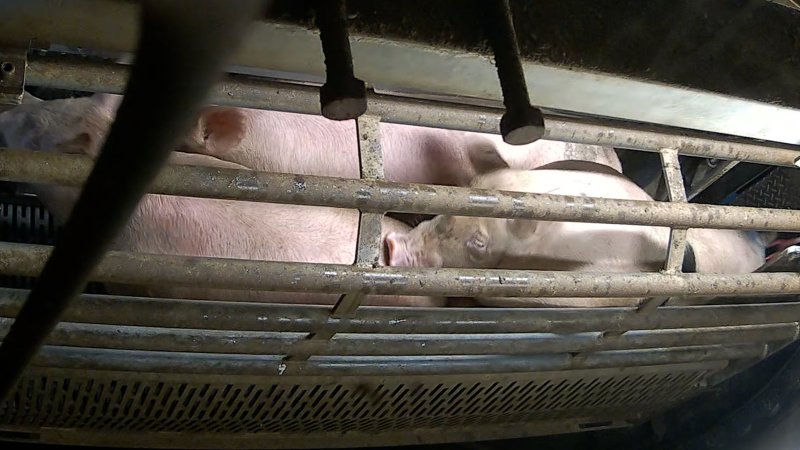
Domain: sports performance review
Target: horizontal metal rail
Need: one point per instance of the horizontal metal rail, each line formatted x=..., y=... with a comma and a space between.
x=240, y=274
x=77, y=74
x=266, y=343
x=239, y=316
x=381, y=196
x=171, y=362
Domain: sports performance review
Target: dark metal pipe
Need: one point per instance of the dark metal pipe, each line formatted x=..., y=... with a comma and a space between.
x=261, y=343
x=232, y=316
x=521, y=123
x=381, y=196
x=181, y=52
x=251, y=92
x=261, y=365
x=343, y=96
x=240, y=274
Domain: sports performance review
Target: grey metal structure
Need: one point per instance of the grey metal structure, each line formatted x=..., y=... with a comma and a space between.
x=214, y=374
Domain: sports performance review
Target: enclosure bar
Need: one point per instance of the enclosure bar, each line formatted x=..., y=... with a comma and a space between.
x=381, y=196
x=739, y=366
x=677, y=193
x=225, y=273
x=370, y=158
x=73, y=73
x=221, y=315
x=261, y=343
x=368, y=250
x=788, y=260
x=171, y=362
x=179, y=57
x=673, y=178
x=709, y=178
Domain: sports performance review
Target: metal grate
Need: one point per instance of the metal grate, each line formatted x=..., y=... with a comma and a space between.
x=771, y=191
x=24, y=220
x=100, y=402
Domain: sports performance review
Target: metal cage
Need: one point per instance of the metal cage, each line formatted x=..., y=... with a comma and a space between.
x=214, y=374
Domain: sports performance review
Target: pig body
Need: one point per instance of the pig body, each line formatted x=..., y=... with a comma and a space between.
x=191, y=226
x=273, y=141
x=543, y=152
x=452, y=241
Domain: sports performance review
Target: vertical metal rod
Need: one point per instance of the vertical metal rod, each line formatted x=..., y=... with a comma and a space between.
x=181, y=53
x=368, y=250
x=677, y=236
x=677, y=193
x=343, y=96
x=521, y=123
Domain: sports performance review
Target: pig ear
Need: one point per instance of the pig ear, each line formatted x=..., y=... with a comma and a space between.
x=81, y=144
x=221, y=128
x=521, y=228
x=485, y=157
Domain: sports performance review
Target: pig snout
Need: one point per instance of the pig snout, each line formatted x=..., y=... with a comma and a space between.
x=411, y=250
x=397, y=253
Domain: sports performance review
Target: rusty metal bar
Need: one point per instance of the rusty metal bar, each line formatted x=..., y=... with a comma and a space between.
x=381, y=196
x=175, y=68
x=72, y=73
x=224, y=273
x=231, y=316
x=266, y=343
x=172, y=362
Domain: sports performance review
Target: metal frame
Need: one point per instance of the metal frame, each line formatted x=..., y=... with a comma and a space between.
x=128, y=335
x=171, y=58
x=250, y=92
x=419, y=68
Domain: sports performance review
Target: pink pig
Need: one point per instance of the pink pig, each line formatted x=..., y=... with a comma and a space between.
x=192, y=226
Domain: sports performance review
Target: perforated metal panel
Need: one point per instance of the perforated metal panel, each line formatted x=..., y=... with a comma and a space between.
x=308, y=406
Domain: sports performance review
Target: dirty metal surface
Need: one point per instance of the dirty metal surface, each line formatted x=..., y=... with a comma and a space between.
x=279, y=412
x=382, y=196
x=12, y=77
x=239, y=274
x=253, y=92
